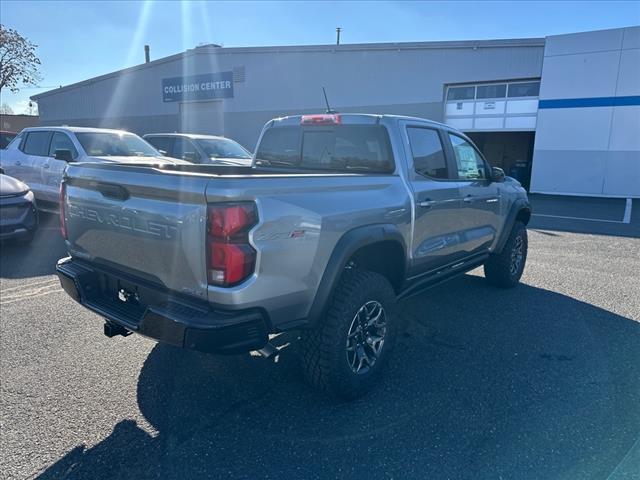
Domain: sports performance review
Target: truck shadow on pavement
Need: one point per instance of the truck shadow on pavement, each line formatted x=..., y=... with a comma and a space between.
x=524, y=383
x=19, y=260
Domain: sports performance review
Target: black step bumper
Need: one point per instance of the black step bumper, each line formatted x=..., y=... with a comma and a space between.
x=162, y=315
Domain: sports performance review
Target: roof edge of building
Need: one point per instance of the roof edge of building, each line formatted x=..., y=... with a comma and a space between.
x=211, y=49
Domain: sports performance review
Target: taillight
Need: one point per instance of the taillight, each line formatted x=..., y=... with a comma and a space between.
x=322, y=119
x=62, y=198
x=230, y=257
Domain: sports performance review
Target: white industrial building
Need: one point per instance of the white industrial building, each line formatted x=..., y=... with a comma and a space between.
x=563, y=110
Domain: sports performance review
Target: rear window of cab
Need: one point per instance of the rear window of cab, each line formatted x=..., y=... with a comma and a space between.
x=347, y=148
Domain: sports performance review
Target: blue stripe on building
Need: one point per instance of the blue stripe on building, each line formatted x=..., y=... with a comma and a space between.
x=590, y=102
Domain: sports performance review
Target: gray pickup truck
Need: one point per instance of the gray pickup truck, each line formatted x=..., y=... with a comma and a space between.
x=338, y=217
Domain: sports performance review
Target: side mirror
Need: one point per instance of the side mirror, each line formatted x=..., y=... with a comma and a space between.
x=497, y=174
x=63, y=154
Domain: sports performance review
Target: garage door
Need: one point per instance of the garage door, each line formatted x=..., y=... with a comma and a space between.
x=497, y=106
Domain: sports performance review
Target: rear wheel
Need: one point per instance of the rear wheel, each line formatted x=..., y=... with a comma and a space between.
x=345, y=355
x=504, y=269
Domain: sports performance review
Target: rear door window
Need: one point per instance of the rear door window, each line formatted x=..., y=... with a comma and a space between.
x=37, y=143
x=349, y=148
x=427, y=151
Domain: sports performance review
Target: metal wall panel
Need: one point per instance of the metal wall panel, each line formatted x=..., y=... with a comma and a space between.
x=573, y=129
x=581, y=75
x=629, y=74
x=625, y=130
x=568, y=171
x=574, y=43
x=587, y=139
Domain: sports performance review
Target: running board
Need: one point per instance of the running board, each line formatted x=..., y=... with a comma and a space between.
x=444, y=274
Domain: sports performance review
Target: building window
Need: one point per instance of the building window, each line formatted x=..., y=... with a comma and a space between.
x=492, y=91
x=528, y=89
x=461, y=93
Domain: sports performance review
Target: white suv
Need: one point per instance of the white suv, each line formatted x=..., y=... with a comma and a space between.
x=39, y=155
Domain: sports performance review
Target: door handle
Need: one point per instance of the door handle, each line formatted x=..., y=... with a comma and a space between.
x=467, y=199
x=18, y=162
x=46, y=165
x=427, y=203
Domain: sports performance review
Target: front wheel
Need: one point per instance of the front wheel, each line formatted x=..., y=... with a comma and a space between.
x=504, y=269
x=345, y=355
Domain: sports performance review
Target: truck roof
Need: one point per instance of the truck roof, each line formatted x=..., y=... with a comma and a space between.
x=193, y=136
x=66, y=128
x=356, y=118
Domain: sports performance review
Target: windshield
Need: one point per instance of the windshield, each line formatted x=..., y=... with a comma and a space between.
x=350, y=148
x=222, y=148
x=107, y=144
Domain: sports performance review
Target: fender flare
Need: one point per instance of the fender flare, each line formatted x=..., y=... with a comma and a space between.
x=519, y=205
x=344, y=249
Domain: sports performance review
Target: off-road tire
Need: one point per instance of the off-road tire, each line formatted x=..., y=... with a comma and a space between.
x=324, y=348
x=499, y=270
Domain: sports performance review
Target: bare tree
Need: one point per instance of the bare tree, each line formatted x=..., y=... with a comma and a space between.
x=5, y=109
x=18, y=60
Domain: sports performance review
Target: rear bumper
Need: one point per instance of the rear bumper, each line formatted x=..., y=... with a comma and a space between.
x=162, y=315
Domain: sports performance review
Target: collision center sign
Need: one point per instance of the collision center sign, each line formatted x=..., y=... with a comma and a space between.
x=198, y=87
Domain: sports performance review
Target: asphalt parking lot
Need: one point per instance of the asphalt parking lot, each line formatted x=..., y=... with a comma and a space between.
x=538, y=382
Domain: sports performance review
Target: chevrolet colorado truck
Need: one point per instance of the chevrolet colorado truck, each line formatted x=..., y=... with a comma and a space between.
x=338, y=217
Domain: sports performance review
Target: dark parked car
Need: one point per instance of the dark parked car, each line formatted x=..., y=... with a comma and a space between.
x=18, y=214
x=5, y=138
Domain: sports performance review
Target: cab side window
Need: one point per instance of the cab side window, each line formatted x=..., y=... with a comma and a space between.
x=61, y=141
x=471, y=165
x=36, y=143
x=428, y=154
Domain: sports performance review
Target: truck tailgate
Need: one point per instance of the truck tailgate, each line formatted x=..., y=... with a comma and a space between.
x=141, y=221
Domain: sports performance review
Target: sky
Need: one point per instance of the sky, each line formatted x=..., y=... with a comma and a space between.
x=83, y=39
